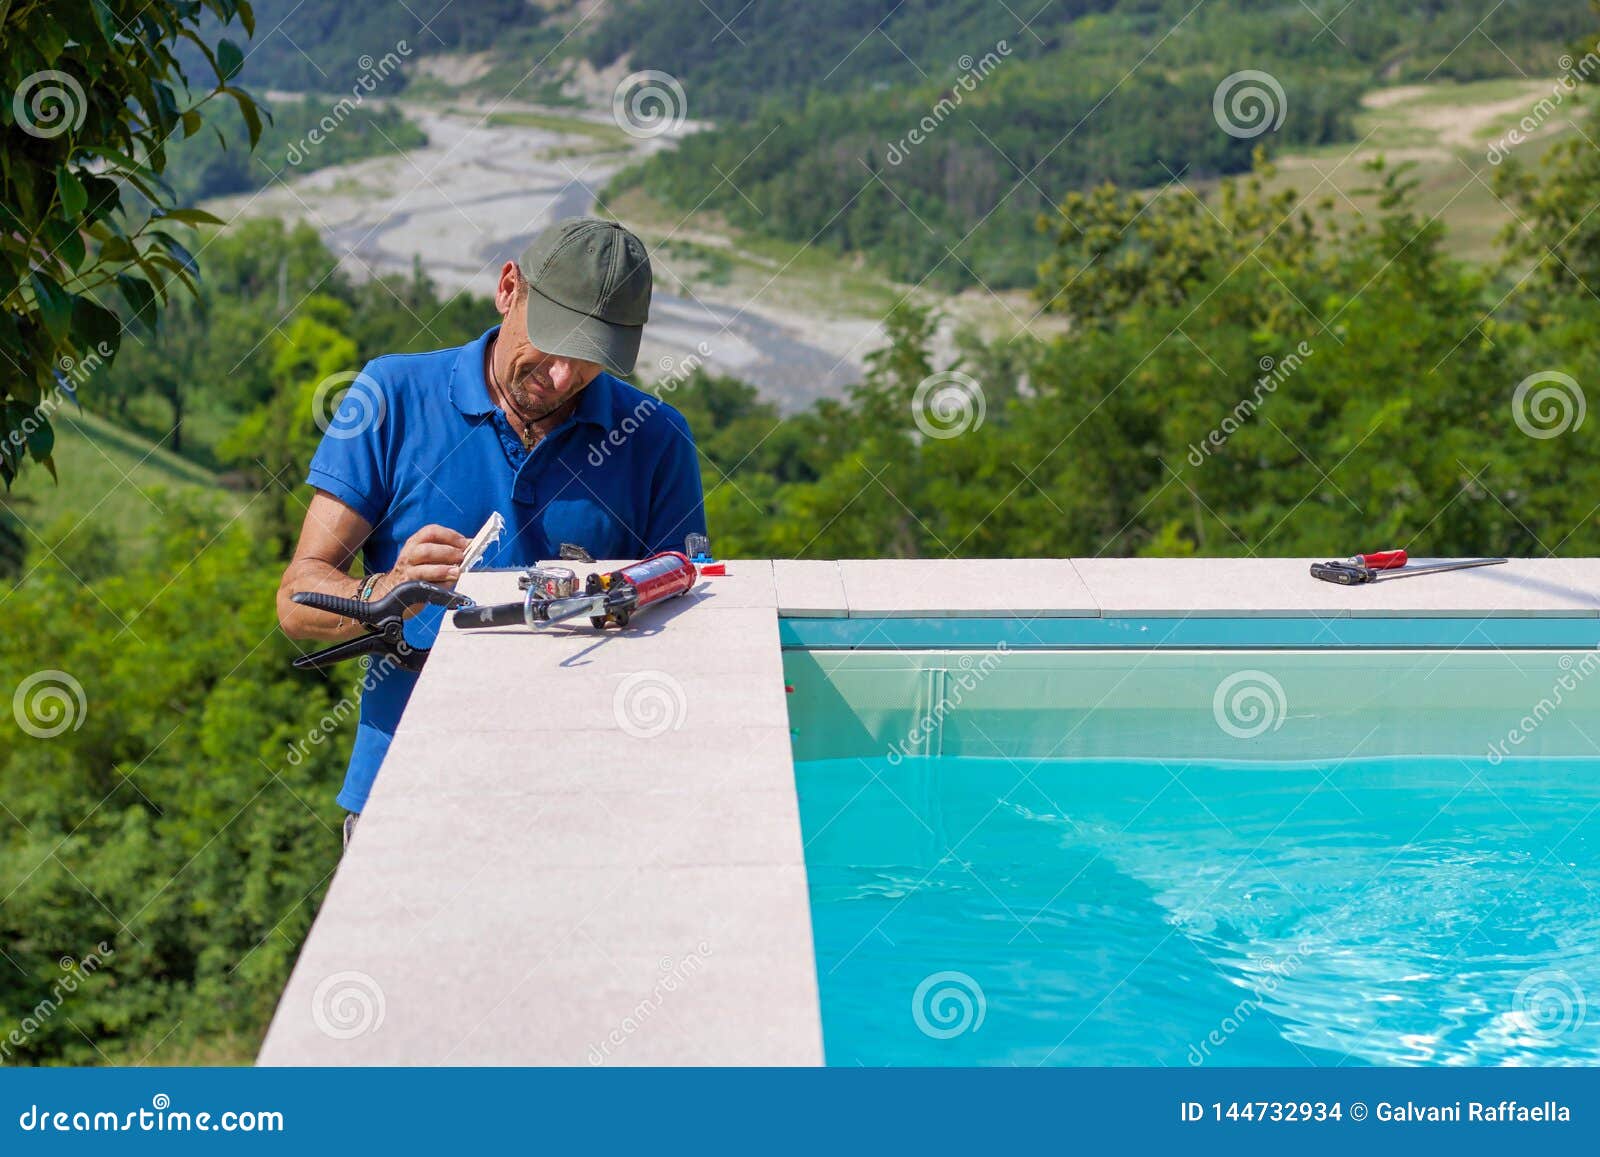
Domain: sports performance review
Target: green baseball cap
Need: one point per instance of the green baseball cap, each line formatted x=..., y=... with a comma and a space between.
x=589, y=292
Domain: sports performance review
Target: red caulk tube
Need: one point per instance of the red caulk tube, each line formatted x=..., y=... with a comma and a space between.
x=658, y=577
x=610, y=597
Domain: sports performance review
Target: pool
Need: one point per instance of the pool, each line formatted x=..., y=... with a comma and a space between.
x=1064, y=851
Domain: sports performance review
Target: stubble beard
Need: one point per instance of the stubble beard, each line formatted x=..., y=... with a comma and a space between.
x=536, y=408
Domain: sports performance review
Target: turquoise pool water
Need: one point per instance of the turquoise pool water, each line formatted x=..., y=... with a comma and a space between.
x=1406, y=910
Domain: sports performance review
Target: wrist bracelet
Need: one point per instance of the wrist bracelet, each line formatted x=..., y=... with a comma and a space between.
x=368, y=585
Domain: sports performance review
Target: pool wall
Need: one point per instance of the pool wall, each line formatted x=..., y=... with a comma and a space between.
x=586, y=849
x=1236, y=704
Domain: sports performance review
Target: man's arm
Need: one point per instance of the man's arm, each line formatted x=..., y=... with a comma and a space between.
x=329, y=539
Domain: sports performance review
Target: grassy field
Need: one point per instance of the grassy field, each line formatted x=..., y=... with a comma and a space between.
x=607, y=134
x=113, y=482
x=805, y=280
x=1448, y=131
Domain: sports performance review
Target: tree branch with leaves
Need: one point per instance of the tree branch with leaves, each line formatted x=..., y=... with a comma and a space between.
x=93, y=240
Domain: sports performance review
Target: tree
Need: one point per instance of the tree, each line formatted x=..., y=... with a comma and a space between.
x=91, y=236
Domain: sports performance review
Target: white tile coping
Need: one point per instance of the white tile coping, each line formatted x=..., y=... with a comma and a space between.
x=584, y=847
x=574, y=826
x=1176, y=587
x=1236, y=587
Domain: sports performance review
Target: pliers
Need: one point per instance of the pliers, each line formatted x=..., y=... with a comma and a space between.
x=384, y=620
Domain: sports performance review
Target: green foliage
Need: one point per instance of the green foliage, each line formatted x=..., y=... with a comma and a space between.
x=329, y=37
x=916, y=152
x=1243, y=379
x=213, y=362
x=733, y=55
x=182, y=816
x=303, y=136
x=193, y=798
x=82, y=151
x=1554, y=239
x=277, y=439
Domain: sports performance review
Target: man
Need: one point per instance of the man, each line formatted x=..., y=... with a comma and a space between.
x=529, y=421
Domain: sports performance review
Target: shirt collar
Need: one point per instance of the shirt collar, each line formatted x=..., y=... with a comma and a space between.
x=469, y=390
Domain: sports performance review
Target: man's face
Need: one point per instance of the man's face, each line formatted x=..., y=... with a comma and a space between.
x=538, y=383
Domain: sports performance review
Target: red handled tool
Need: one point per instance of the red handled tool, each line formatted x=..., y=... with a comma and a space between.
x=1384, y=565
x=612, y=597
x=1381, y=560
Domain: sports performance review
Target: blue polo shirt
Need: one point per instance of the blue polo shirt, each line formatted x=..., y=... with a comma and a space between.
x=416, y=440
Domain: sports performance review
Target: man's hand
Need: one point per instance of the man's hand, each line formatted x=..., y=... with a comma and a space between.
x=329, y=540
x=433, y=554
